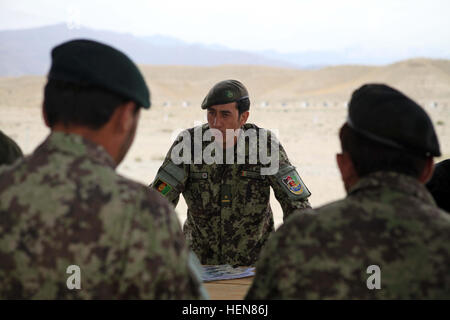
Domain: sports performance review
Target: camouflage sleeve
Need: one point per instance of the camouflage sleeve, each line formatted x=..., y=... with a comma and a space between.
x=274, y=278
x=160, y=264
x=288, y=187
x=171, y=178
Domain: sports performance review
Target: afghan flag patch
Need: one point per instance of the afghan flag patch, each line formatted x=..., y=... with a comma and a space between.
x=293, y=183
x=162, y=187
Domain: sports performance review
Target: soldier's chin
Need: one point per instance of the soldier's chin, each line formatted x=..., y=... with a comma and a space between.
x=347, y=186
x=218, y=137
x=121, y=155
x=229, y=142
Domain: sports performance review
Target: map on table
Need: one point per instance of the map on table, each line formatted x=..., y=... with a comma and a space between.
x=226, y=272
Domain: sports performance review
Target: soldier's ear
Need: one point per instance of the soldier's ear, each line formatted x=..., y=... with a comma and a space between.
x=427, y=171
x=243, y=118
x=124, y=117
x=347, y=169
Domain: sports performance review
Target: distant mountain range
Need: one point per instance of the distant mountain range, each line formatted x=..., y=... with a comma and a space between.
x=27, y=51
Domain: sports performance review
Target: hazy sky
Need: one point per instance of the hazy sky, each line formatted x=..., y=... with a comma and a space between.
x=384, y=26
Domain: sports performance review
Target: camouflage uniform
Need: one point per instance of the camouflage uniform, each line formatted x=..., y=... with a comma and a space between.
x=229, y=218
x=9, y=150
x=65, y=205
x=388, y=219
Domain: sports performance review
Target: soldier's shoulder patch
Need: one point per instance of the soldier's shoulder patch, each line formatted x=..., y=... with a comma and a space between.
x=292, y=182
x=162, y=186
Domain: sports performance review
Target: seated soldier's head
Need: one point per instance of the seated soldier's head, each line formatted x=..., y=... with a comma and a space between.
x=386, y=131
x=96, y=91
x=439, y=185
x=9, y=150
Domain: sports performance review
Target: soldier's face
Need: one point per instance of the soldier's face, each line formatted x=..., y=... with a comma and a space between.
x=225, y=117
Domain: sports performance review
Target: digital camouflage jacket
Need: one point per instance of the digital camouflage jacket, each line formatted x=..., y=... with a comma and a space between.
x=229, y=218
x=65, y=205
x=385, y=240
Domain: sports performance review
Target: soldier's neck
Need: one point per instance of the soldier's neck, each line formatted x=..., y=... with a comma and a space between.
x=100, y=137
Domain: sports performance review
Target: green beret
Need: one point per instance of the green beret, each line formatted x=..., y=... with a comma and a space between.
x=9, y=150
x=87, y=62
x=387, y=116
x=224, y=92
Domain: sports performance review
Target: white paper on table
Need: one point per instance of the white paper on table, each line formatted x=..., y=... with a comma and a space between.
x=225, y=272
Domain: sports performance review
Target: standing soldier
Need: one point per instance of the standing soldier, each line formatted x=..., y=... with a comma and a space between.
x=229, y=218
x=70, y=226
x=386, y=239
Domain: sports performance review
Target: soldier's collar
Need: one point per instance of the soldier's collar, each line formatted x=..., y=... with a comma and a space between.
x=393, y=180
x=76, y=145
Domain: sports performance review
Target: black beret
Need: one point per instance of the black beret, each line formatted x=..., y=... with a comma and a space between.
x=87, y=62
x=386, y=115
x=224, y=92
x=439, y=185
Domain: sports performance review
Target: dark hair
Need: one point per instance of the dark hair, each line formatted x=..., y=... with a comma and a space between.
x=243, y=105
x=369, y=156
x=69, y=103
x=439, y=185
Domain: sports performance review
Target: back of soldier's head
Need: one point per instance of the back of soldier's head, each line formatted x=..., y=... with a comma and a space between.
x=9, y=150
x=87, y=81
x=387, y=131
x=439, y=185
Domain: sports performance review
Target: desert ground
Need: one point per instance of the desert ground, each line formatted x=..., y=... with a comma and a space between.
x=306, y=107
